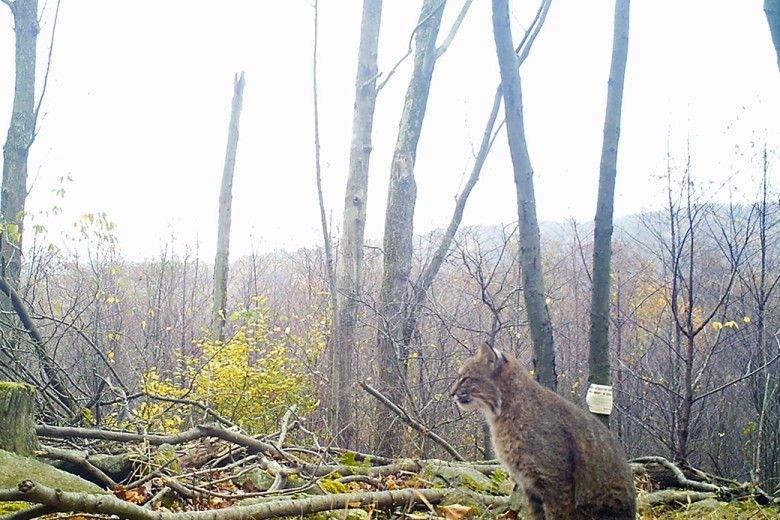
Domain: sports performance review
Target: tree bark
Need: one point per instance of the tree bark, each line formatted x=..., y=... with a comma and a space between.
x=598, y=360
x=221, y=262
x=399, y=217
x=772, y=11
x=350, y=267
x=17, y=418
x=21, y=133
x=530, y=251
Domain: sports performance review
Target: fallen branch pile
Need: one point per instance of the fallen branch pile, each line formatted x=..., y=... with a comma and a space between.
x=224, y=474
x=220, y=473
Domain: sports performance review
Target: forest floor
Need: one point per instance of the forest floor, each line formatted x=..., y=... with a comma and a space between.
x=220, y=474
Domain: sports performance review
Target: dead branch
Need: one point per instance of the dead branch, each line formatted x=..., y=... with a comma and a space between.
x=673, y=497
x=65, y=501
x=680, y=479
x=411, y=422
x=79, y=460
x=63, y=432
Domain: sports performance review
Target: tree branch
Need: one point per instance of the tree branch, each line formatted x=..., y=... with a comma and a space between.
x=736, y=380
x=79, y=460
x=453, y=30
x=409, y=47
x=46, y=75
x=47, y=362
x=411, y=422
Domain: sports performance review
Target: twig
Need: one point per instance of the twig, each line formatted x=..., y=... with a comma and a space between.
x=46, y=75
x=285, y=420
x=736, y=380
x=409, y=48
x=411, y=422
x=157, y=497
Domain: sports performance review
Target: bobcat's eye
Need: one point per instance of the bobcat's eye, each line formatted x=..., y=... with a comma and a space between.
x=457, y=384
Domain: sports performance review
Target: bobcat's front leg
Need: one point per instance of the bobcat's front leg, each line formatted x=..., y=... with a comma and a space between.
x=535, y=506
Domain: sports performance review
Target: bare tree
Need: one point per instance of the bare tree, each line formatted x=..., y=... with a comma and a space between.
x=225, y=204
x=21, y=133
x=350, y=267
x=761, y=284
x=598, y=361
x=772, y=11
x=431, y=269
x=530, y=250
x=399, y=217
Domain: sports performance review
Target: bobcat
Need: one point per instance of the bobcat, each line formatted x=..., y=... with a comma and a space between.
x=569, y=464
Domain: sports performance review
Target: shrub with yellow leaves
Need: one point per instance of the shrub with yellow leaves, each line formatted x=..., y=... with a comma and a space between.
x=250, y=378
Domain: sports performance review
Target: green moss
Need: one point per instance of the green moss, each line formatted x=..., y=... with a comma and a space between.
x=331, y=486
x=12, y=507
x=735, y=510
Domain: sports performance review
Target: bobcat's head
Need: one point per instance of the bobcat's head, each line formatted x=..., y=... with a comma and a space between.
x=477, y=386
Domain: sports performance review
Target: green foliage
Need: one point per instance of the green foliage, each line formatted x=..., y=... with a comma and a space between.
x=250, y=378
x=499, y=478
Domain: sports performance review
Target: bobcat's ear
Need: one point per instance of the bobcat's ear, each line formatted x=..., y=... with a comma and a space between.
x=491, y=354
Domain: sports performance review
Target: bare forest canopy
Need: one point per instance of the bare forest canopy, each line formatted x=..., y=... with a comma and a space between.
x=317, y=379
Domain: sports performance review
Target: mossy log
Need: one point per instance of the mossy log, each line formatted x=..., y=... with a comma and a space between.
x=17, y=414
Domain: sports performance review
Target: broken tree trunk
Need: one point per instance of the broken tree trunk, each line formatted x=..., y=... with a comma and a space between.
x=17, y=411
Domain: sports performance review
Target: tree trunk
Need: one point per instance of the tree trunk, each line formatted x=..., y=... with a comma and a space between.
x=17, y=418
x=353, y=226
x=221, y=262
x=399, y=217
x=530, y=254
x=598, y=360
x=772, y=11
x=20, y=137
x=432, y=269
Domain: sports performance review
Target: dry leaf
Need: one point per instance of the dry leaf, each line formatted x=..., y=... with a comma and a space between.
x=455, y=511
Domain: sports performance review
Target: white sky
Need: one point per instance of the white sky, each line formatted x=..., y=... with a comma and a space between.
x=139, y=95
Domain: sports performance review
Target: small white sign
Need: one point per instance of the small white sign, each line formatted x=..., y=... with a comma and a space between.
x=599, y=399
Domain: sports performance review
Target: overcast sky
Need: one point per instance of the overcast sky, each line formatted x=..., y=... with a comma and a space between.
x=139, y=96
